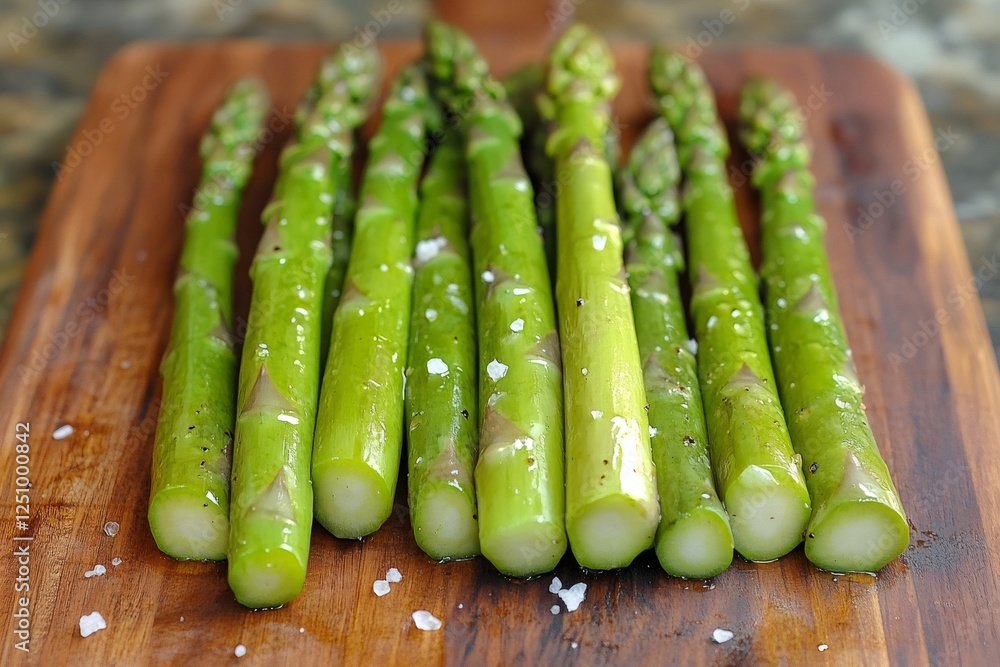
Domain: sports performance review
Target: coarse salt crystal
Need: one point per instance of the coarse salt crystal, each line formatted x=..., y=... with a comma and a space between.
x=111, y=528
x=461, y=606
x=692, y=345
x=116, y=561
x=517, y=325
x=426, y=621
x=393, y=576
x=554, y=609
x=431, y=314
x=91, y=623
x=436, y=366
x=301, y=630
x=381, y=587
x=555, y=586
x=822, y=647
x=599, y=241
x=653, y=431
x=596, y=414
x=488, y=276
x=574, y=645
x=240, y=650
x=573, y=596
x=720, y=636
x=427, y=250
x=62, y=432
x=712, y=321
x=496, y=369
x=96, y=572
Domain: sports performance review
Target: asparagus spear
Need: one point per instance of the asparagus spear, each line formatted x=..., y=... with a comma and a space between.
x=359, y=433
x=611, y=501
x=279, y=376
x=694, y=538
x=758, y=475
x=519, y=475
x=189, y=499
x=857, y=522
x=340, y=244
x=441, y=373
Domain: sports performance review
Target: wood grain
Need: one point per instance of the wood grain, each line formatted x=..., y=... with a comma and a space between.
x=93, y=319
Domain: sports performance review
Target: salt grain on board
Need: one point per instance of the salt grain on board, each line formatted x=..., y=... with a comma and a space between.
x=393, y=576
x=240, y=651
x=720, y=636
x=555, y=610
x=96, y=572
x=62, y=432
x=573, y=596
x=91, y=623
x=822, y=647
x=555, y=586
x=426, y=621
x=381, y=587
x=111, y=528
x=116, y=561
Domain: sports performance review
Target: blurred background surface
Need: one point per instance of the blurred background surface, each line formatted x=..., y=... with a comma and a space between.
x=52, y=51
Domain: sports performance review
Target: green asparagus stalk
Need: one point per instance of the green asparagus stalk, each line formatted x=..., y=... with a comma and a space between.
x=519, y=474
x=441, y=374
x=189, y=499
x=340, y=244
x=611, y=502
x=857, y=522
x=359, y=432
x=758, y=475
x=279, y=376
x=694, y=538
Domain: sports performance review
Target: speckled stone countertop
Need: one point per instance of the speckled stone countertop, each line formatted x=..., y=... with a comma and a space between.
x=53, y=49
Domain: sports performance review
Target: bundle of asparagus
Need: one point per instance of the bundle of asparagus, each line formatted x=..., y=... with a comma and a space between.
x=359, y=430
x=271, y=510
x=857, y=522
x=519, y=475
x=189, y=500
x=758, y=474
x=484, y=392
x=611, y=502
x=694, y=538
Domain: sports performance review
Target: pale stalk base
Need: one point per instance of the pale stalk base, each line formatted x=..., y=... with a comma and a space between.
x=697, y=546
x=188, y=526
x=609, y=533
x=445, y=525
x=858, y=536
x=350, y=499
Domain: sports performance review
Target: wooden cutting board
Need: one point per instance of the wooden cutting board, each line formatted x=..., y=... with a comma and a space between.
x=94, y=315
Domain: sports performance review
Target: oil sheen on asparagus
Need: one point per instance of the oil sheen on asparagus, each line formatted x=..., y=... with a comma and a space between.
x=857, y=523
x=758, y=475
x=272, y=505
x=519, y=474
x=189, y=500
x=441, y=402
x=694, y=538
x=612, y=510
x=359, y=431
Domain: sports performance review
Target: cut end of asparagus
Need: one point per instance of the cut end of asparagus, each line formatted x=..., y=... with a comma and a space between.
x=351, y=500
x=188, y=526
x=860, y=536
x=768, y=515
x=445, y=524
x=610, y=532
x=525, y=550
x=267, y=577
x=697, y=546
